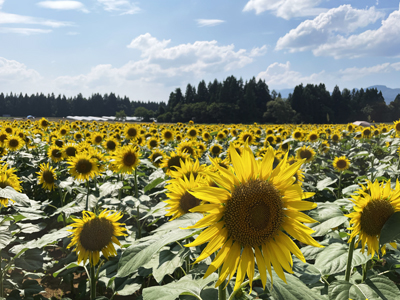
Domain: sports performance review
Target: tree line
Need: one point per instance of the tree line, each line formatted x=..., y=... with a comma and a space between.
x=40, y=105
x=230, y=101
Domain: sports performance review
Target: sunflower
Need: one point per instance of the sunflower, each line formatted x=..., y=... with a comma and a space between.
x=341, y=163
x=206, y=136
x=305, y=152
x=187, y=168
x=83, y=166
x=8, y=178
x=3, y=136
x=78, y=136
x=335, y=137
x=396, y=126
x=180, y=200
x=192, y=133
x=221, y=135
x=55, y=153
x=131, y=132
x=249, y=210
x=167, y=135
x=216, y=150
x=93, y=234
x=313, y=136
x=173, y=161
x=324, y=147
x=97, y=138
x=44, y=123
x=3, y=151
x=373, y=206
x=156, y=157
x=47, y=176
x=64, y=130
x=367, y=133
x=125, y=159
x=153, y=142
x=189, y=148
x=70, y=150
x=247, y=136
x=269, y=140
x=110, y=144
x=297, y=134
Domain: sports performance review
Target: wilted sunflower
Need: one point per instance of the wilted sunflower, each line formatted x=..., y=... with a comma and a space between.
x=47, y=176
x=125, y=159
x=373, y=206
x=83, y=166
x=249, y=210
x=180, y=201
x=341, y=163
x=93, y=234
x=305, y=152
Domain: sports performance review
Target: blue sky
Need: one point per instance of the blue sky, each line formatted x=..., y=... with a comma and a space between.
x=146, y=49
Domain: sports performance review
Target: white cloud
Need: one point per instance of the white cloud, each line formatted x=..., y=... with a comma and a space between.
x=396, y=66
x=280, y=75
x=24, y=31
x=1, y=3
x=7, y=18
x=285, y=9
x=354, y=73
x=12, y=72
x=63, y=5
x=209, y=22
x=380, y=42
x=311, y=34
x=125, y=7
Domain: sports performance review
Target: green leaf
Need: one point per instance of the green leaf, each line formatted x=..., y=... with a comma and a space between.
x=339, y=290
x=186, y=285
x=333, y=259
x=108, y=188
x=390, y=231
x=324, y=227
x=153, y=184
x=67, y=267
x=5, y=237
x=182, y=222
x=131, y=260
x=307, y=273
x=325, y=211
x=324, y=183
x=9, y=193
x=69, y=209
x=294, y=289
x=168, y=262
x=375, y=287
x=127, y=286
x=31, y=260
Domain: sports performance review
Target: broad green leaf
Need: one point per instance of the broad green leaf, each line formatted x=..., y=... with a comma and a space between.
x=70, y=209
x=108, y=188
x=294, y=289
x=5, y=237
x=324, y=227
x=182, y=222
x=376, y=287
x=333, y=259
x=307, y=273
x=168, y=262
x=127, y=286
x=324, y=183
x=325, y=211
x=186, y=285
x=390, y=231
x=311, y=252
x=67, y=267
x=9, y=193
x=339, y=290
x=131, y=260
x=31, y=260
x=153, y=184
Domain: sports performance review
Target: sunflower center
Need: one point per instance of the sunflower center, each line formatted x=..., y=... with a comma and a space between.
x=188, y=149
x=174, y=162
x=254, y=214
x=297, y=135
x=83, y=166
x=341, y=164
x=71, y=151
x=188, y=201
x=306, y=154
x=59, y=143
x=192, y=133
x=398, y=127
x=129, y=159
x=248, y=138
x=56, y=153
x=215, y=150
x=13, y=143
x=374, y=216
x=132, y=132
x=48, y=177
x=3, y=137
x=167, y=135
x=111, y=145
x=96, y=234
x=98, y=139
x=153, y=143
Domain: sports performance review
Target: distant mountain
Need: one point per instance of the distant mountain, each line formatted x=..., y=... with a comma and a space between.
x=388, y=93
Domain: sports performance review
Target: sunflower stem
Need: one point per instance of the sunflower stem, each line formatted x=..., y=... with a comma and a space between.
x=1, y=278
x=188, y=258
x=339, y=193
x=364, y=272
x=349, y=259
x=221, y=289
x=87, y=195
x=136, y=186
x=92, y=282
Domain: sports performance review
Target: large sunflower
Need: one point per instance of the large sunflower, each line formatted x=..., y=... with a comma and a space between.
x=341, y=163
x=93, y=234
x=47, y=176
x=83, y=166
x=8, y=178
x=305, y=152
x=14, y=143
x=125, y=159
x=373, y=206
x=250, y=215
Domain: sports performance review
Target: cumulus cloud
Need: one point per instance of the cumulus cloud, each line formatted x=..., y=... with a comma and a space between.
x=198, y=58
x=12, y=72
x=209, y=22
x=285, y=9
x=310, y=34
x=282, y=76
x=124, y=7
x=7, y=18
x=326, y=35
x=63, y=5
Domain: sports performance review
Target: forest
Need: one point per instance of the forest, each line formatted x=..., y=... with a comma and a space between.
x=230, y=101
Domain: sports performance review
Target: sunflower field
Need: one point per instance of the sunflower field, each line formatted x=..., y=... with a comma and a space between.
x=97, y=210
